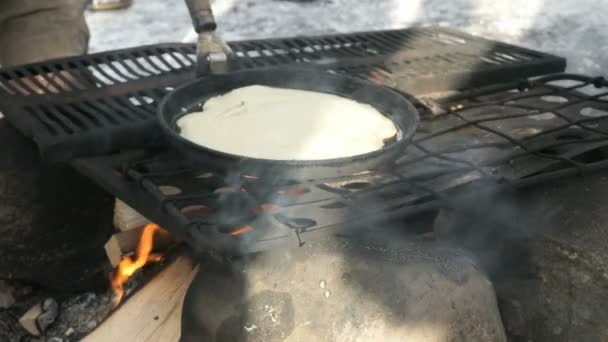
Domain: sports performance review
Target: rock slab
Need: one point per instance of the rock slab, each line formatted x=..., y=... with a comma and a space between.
x=343, y=289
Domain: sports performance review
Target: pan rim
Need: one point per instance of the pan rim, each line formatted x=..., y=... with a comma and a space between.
x=406, y=133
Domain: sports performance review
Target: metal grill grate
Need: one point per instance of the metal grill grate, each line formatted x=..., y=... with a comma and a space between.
x=104, y=102
x=507, y=135
x=95, y=71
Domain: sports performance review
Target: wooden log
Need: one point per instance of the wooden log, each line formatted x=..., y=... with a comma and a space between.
x=152, y=314
x=28, y=320
x=127, y=218
x=125, y=242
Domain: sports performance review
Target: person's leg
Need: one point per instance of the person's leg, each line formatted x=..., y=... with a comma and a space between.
x=53, y=221
x=36, y=30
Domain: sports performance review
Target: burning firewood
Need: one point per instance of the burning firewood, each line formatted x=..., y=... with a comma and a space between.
x=143, y=254
x=154, y=312
x=131, y=225
x=125, y=242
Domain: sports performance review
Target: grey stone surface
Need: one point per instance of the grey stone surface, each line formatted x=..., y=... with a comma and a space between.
x=546, y=248
x=570, y=28
x=50, y=310
x=343, y=290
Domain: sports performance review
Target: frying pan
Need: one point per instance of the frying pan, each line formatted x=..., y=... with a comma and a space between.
x=190, y=97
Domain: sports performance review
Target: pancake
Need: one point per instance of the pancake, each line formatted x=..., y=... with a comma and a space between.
x=287, y=124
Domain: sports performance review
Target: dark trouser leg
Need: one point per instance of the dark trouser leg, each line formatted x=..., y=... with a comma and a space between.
x=36, y=30
x=53, y=221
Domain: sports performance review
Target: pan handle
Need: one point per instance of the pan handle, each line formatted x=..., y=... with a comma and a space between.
x=202, y=15
x=212, y=52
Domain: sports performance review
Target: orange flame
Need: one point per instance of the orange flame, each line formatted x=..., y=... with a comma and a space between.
x=293, y=191
x=240, y=231
x=264, y=208
x=143, y=255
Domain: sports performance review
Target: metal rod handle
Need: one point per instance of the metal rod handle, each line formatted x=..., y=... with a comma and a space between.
x=202, y=15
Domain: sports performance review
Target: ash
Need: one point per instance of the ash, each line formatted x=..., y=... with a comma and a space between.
x=568, y=28
x=78, y=314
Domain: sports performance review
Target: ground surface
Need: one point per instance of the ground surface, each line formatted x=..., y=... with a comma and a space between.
x=571, y=28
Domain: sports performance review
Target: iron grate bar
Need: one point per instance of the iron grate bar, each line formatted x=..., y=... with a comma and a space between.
x=138, y=56
x=416, y=60
x=424, y=179
x=109, y=116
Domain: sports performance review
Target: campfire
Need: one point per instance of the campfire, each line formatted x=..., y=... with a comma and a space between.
x=143, y=255
x=321, y=257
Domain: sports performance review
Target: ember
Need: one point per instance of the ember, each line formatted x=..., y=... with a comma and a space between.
x=128, y=266
x=264, y=208
x=292, y=191
x=241, y=230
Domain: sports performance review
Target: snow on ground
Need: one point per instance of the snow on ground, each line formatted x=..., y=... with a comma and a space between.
x=571, y=28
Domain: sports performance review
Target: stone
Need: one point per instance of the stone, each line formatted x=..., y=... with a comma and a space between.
x=80, y=314
x=91, y=325
x=50, y=310
x=546, y=250
x=387, y=290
